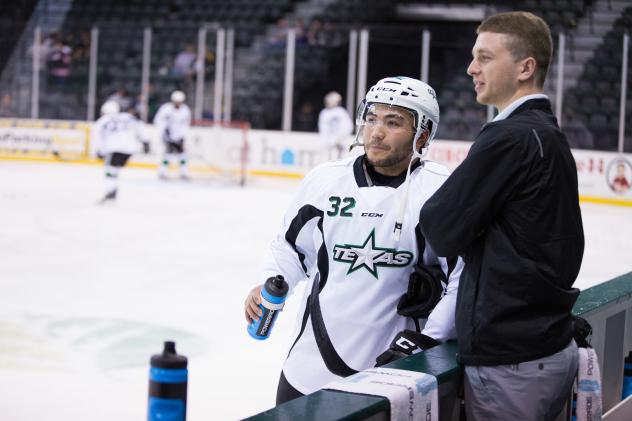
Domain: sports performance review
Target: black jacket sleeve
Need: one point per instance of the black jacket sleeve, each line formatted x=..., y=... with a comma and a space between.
x=465, y=204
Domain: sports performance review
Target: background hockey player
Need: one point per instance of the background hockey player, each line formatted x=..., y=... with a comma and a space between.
x=117, y=135
x=334, y=124
x=172, y=121
x=353, y=231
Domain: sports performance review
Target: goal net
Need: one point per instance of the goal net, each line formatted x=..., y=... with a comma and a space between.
x=219, y=149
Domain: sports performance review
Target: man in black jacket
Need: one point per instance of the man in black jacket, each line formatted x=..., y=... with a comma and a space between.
x=511, y=209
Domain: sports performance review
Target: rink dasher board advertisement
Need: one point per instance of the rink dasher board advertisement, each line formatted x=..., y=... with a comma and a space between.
x=42, y=137
x=291, y=153
x=602, y=176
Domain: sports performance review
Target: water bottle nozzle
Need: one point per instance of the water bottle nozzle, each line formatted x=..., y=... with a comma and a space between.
x=278, y=281
x=170, y=348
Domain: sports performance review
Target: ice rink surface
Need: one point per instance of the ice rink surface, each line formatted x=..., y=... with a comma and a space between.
x=88, y=293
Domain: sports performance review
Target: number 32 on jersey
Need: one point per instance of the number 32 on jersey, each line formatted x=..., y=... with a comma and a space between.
x=341, y=206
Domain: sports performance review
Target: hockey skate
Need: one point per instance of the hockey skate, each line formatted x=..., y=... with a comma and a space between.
x=109, y=197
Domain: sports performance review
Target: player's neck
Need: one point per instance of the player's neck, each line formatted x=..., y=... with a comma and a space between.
x=393, y=170
x=379, y=178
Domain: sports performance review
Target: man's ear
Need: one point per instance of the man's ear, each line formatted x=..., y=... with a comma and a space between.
x=527, y=69
x=421, y=142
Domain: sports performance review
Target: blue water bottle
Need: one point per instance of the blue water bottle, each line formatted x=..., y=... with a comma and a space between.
x=168, y=385
x=273, y=296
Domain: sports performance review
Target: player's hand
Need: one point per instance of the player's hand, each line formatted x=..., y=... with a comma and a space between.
x=251, y=307
x=146, y=148
x=407, y=342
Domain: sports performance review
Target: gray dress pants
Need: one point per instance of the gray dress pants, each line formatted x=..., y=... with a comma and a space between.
x=531, y=390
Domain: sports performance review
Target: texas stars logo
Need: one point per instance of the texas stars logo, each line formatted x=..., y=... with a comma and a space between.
x=369, y=256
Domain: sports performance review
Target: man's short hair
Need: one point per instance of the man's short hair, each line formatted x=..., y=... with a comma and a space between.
x=529, y=36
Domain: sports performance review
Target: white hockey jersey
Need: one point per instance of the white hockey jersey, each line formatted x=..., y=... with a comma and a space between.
x=121, y=132
x=341, y=228
x=173, y=123
x=334, y=125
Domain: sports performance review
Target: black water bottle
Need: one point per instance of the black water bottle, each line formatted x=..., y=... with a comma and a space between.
x=168, y=377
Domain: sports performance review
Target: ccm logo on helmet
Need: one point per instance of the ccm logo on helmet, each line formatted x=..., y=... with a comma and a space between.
x=381, y=88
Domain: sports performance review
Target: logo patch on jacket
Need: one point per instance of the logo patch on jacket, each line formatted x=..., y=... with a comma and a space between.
x=369, y=256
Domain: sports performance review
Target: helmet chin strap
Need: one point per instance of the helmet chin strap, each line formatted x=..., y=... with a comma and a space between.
x=356, y=141
x=403, y=197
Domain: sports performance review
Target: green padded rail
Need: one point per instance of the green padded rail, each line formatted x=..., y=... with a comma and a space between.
x=602, y=294
x=329, y=405
x=440, y=361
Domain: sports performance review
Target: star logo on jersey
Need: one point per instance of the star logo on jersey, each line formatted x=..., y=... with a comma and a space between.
x=369, y=256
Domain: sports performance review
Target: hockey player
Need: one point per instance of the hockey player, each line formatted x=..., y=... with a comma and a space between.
x=353, y=232
x=172, y=121
x=116, y=135
x=334, y=124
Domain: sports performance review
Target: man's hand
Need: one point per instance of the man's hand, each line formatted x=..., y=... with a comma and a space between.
x=251, y=306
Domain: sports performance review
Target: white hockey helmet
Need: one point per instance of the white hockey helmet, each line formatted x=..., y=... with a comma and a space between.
x=178, y=96
x=405, y=92
x=332, y=99
x=110, y=107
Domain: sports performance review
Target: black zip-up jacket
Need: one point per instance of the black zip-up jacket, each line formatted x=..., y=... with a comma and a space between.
x=511, y=209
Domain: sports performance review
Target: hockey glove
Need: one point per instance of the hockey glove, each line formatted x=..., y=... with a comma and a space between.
x=582, y=332
x=406, y=343
x=146, y=148
x=426, y=286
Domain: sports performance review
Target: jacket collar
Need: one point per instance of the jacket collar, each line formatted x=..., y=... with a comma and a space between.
x=542, y=104
x=539, y=104
x=509, y=109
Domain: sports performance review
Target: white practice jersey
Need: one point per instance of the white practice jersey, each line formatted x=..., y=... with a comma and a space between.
x=334, y=125
x=173, y=123
x=341, y=229
x=121, y=132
